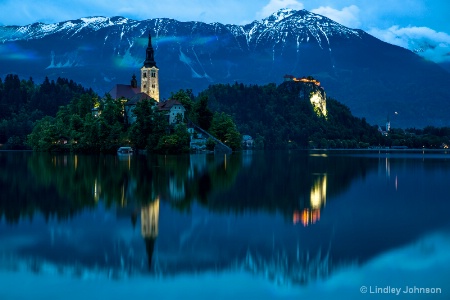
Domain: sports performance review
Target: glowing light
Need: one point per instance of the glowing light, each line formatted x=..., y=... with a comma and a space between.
x=316, y=82
x=319, y=103
x=306, y=216
x=318, y=196
x=150, y=219
x=318, y=199
x=96, y=190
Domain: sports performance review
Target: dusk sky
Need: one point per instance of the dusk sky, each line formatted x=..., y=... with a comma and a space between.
x=407, y=23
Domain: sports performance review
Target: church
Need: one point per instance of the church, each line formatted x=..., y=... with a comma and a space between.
x=131, y=93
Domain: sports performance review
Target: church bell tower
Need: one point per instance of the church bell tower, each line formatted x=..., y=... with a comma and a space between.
x=149, y=73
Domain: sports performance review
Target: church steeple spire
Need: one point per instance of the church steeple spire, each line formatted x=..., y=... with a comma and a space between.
x=149, y=54
x=149, y=73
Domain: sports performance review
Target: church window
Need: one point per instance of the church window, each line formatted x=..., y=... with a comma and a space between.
x=144, y=74
x=153, y=74
x=145, y=86
x=153, y=86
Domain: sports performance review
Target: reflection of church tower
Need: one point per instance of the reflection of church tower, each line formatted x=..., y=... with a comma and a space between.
x=388, y=124
x=149, y=73
x=149, y=226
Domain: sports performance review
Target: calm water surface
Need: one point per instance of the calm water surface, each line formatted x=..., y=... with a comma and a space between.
x=266, y=225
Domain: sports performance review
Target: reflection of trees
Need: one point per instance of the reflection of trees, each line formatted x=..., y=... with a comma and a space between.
x=291, y=182
x=62, y=185
x=23, y=191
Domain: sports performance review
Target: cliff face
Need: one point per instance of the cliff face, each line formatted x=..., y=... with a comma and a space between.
x=310, y=90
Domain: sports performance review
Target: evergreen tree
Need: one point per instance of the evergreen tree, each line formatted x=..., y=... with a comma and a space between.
x=224, y=129
x=203, y=113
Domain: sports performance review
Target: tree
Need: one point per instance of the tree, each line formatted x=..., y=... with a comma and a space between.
x=224, y=129
x=178, y=142
x=185, y=98
x=203, y=113
x=144, y=125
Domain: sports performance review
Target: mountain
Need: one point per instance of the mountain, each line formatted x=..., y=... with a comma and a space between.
x=373, y=78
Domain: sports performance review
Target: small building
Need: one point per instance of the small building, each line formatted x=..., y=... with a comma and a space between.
x=247, y=141
x=172, y=109
x=131, y=104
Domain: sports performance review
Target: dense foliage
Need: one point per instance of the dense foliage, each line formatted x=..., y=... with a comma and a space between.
x=77, y=128
x=283, y=117
x=280, y=117
x=22, y=102
x=57, y=116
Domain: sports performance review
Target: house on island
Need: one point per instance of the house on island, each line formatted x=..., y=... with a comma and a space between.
x=247, y=141
x=173, y=110
x=384, y=130
x=131, y=93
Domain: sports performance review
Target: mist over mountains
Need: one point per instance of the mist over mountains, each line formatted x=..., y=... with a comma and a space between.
x=373, y=78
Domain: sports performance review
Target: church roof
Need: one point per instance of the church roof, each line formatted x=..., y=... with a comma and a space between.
x=124, y=91
x=138, y=97
x=168, y=104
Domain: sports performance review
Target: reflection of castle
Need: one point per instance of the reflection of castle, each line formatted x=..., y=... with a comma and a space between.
x=317, y=199
x=149, y=227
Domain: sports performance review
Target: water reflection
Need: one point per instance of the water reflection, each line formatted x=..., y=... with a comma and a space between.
x=293, y=216
x=318, y=199
x=149, y=227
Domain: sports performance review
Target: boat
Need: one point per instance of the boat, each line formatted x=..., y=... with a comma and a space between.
x=125, y=150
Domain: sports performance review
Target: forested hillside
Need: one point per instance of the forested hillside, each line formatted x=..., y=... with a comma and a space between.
x=22, y=102
x=283, y=117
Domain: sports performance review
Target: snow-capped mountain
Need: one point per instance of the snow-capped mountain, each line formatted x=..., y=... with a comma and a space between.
x=373, y=78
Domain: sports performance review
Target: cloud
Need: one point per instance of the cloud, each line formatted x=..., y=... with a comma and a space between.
x=348, y=16
x=276, y=5
x=432, y=45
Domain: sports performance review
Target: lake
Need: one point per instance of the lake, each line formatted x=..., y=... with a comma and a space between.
x=250, y=225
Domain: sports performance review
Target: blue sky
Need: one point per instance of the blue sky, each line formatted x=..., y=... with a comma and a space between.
x=407, y=23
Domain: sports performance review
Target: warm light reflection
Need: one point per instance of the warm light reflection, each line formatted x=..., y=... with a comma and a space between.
x=123, y=201
x=388, y=168
x=318, y=196
x=150, y=219
x=76, y=161
x=318, y=199
x=96, y=190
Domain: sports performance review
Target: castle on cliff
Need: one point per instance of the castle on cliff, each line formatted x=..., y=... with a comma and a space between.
x=316, y=96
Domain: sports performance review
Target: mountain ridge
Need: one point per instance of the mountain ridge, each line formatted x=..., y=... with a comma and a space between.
x=372, y=77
